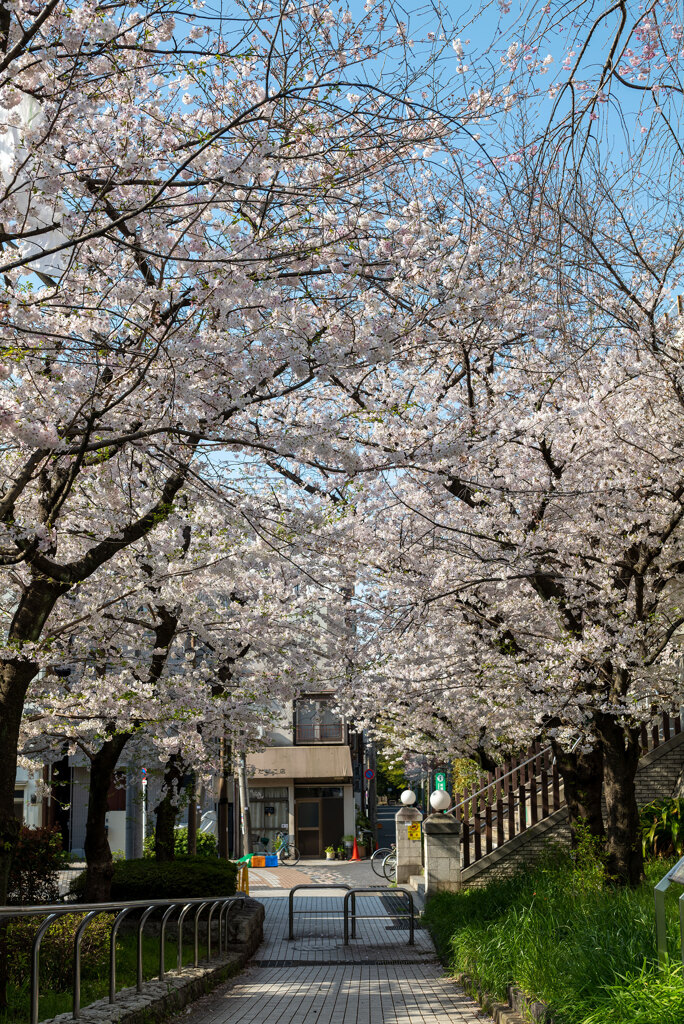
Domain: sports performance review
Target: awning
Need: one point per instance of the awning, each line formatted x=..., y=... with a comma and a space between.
x=301, y=763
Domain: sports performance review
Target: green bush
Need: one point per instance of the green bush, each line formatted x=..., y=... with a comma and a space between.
x=206, y=844
x=563, y=935
x=172, y=879
x=662, y=828
x=56, y=950
x=37, y=858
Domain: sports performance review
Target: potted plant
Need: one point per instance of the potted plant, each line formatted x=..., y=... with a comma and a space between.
x=330, y=853
x=348, y=845
x=341, y=853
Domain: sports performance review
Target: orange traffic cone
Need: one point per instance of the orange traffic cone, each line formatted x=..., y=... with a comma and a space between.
x=355, y=851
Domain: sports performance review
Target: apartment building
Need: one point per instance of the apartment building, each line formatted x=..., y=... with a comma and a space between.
x=304, y=781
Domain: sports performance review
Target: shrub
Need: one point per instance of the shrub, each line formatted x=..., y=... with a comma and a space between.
x=56, y=950
x=172, y=879
x=565, y=936
x=206, y=844
x=662, y=828
x=37, y=858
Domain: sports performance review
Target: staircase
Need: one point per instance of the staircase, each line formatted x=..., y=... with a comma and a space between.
x=509, y=815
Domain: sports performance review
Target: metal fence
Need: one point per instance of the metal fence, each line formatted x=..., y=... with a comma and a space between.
x=52, y=912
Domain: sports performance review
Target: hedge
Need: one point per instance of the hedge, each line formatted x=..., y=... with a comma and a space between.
x=175, y=879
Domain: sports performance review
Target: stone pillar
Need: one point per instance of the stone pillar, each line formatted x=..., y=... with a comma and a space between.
x=135, y=798
x=442, y=853
x=409, y=851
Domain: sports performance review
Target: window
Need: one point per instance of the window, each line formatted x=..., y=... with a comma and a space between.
x=315, y=722
x=19, y=804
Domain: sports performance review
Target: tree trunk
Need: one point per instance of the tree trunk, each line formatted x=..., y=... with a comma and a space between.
x=621, y=752
x=582, y=774
x=100, y=867
x=166, y=810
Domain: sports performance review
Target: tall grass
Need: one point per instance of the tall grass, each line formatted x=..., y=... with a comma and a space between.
x=564, y=936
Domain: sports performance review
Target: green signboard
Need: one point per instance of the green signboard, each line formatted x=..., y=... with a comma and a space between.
x=440, y=780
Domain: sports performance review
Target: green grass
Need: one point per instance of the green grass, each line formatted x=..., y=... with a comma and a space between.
x=565, y=937
x=92, y=988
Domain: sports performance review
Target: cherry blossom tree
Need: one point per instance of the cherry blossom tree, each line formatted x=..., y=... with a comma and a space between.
x=185, y=229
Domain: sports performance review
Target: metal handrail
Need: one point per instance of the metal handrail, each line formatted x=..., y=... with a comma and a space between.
x=675, y=874
x=53, y=911
x=352, y=894
x=309, y=885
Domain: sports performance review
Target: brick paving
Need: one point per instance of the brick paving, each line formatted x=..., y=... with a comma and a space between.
x=315, y=979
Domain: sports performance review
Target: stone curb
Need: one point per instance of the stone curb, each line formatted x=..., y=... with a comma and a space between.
x=519, y=1009
x=161, y=999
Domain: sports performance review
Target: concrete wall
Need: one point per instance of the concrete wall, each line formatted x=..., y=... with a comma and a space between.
x=657, y=777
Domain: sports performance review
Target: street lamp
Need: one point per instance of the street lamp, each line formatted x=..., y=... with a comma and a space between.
x=440, y=800
x=408, y=797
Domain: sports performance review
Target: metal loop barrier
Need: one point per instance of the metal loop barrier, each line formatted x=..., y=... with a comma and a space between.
x=141, y=924
x=197, y=917
x=52, y=912
x=375, y=889
x=76, y=1006
x=308, y=885
x=212, y=908
x=112, y=952
x=35, y=964
x=162, y=936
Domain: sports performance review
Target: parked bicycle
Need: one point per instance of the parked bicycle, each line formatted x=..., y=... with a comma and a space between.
x=282, y=846
x=286, y=850
x=380, y=856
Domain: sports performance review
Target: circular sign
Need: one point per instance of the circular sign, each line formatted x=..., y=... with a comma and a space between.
x=369, y=773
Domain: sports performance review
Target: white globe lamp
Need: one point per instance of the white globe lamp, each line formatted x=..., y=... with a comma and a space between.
x=440, y=800
x=408, y=797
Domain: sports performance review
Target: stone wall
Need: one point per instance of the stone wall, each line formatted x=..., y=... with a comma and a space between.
x=657, y=776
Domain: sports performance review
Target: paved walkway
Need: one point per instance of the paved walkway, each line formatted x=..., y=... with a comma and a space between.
x=316, y=979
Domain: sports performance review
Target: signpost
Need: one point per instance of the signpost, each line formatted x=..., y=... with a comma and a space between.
x=369, y=773
x=440, y=780
x=414, y=830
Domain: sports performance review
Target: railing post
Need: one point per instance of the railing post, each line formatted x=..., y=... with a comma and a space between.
x=499, y=808
x=209, y=919
x=76, y=1001
x=346, y=918
x=465, y=836
x=555, y=783
x=141, y=924
x=666, y=726
x=112, y=952
x=511, y=801
x=162, y=945
x=477, y=827
x=353, y=915
x=181, y=918
x=197, y=916
x=545, y=784
x=35, y=965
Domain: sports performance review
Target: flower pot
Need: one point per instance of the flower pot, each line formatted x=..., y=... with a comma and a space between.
x=330, y=856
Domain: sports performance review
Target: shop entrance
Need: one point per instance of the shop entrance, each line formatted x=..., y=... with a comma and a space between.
x=308, y=826
x=319, y=818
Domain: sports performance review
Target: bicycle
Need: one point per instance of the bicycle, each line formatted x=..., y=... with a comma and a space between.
x=378, y=858
x=285, y=849
x=389, y=866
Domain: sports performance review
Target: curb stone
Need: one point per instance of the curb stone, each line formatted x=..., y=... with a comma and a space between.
x=519, y=1009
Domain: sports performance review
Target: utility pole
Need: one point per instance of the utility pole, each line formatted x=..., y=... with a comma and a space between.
x=245, y=817
x=222, y=817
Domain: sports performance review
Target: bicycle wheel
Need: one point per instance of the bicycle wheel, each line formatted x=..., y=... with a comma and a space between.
x=389, y=866
x=291, y=855
x=377, y=859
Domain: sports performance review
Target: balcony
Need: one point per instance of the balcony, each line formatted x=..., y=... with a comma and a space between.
x=323, y=732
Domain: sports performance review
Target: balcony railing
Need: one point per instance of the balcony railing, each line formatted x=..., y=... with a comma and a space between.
x=332, y=732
